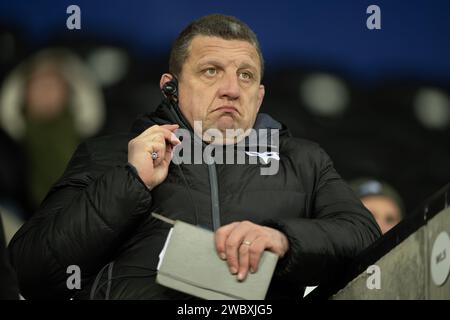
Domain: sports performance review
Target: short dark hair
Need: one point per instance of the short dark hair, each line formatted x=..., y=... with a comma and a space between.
x=213, y=25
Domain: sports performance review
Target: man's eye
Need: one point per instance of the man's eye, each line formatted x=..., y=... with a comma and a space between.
x=245, y=76
x=210, y=72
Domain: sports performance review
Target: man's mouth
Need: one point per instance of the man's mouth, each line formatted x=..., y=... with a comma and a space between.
x=227, y=109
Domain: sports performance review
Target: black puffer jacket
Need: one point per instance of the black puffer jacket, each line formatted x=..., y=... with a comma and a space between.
x=98, y=213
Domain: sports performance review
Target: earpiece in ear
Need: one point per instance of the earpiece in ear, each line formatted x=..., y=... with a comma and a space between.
x=170, y=90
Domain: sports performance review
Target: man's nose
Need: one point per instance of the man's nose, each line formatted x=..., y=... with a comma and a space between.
x=229, y=87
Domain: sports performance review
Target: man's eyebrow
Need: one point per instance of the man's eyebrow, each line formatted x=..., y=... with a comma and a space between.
x=247, y=65
x=209, y=61
x=244, y=65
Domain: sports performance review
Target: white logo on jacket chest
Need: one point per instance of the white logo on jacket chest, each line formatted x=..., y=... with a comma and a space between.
x=265, y=156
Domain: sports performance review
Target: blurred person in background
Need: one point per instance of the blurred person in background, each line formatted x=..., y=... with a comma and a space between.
x=49, y=104
x=382, y=200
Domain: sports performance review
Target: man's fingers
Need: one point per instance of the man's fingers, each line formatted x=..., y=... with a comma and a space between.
x=221, y=236
x=243, y=243
x=160, y=135
x=160, y=149
x=171, y=127
x=166, y=130
x=245, y=252
x=233, y=242
x=243, y=261
x=151, y=153
x=169, y=151
x=255, y=252
x=168, y=135
x=172, y=138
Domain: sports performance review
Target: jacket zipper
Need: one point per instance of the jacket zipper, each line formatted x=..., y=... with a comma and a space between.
x=215, y=208
x=212, y=172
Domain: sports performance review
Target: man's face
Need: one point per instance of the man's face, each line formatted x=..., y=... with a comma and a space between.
x=220, y=84
x=385, y=211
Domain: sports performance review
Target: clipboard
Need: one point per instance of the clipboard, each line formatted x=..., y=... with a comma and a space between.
x=189, y=263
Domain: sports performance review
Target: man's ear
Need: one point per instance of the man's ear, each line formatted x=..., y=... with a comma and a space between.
x=261, y=92
x=166, y=77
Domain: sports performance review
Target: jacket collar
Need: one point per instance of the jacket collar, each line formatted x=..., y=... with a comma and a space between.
x=169, y=113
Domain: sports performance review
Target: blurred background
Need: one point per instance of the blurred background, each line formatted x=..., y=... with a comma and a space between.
x=378, y=101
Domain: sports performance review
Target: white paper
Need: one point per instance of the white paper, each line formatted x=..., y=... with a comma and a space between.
x=163, y=251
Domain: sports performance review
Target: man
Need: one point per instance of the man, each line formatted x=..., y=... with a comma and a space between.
x=97, y=216
x=381, y=200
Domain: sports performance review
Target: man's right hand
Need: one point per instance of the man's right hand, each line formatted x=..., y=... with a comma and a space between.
x=160, y=139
